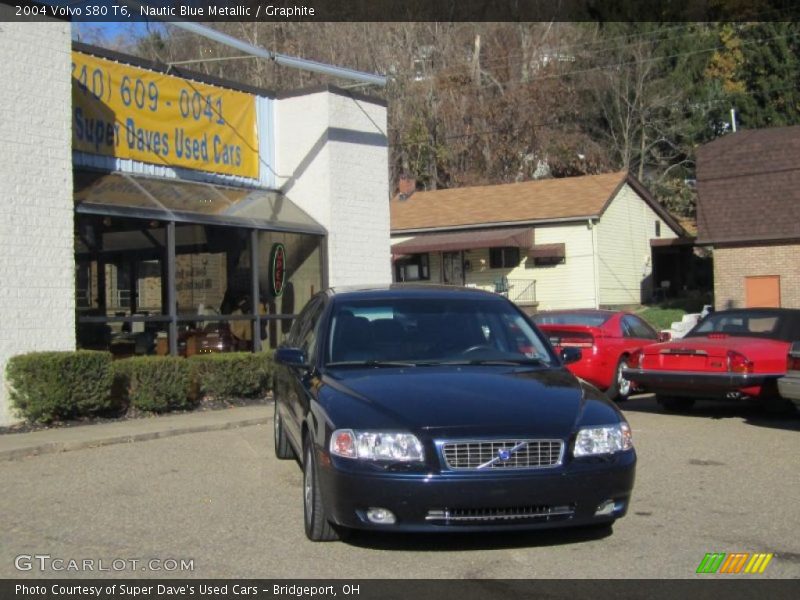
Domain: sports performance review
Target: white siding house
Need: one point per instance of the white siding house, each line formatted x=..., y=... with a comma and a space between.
x=582, y=242
x=623, y=247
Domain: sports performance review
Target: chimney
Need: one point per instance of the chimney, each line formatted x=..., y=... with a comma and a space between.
x=406, y=186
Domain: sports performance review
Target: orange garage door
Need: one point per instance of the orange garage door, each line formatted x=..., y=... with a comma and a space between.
x=764, y=290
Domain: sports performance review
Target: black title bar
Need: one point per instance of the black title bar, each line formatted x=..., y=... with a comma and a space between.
x=400, y=10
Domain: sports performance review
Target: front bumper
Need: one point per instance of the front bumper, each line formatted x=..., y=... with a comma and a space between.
x=699, y=384
x=479, y=501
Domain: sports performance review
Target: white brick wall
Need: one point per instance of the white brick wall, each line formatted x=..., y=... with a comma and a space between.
x=37, y=293
x=332, y=160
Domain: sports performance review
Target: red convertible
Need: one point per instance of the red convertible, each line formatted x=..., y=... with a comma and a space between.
x=606, y=339
x=731, y=354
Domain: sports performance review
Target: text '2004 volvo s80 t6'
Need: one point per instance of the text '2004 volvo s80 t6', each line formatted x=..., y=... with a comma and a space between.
x=440, y=409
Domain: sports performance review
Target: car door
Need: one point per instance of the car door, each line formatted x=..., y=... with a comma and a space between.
x=298, y=387
x=284, y=389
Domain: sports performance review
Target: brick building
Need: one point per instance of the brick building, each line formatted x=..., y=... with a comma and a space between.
x=143, y=204
x=749, y=210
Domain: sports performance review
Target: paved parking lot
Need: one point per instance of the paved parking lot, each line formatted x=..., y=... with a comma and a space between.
x=724, y=478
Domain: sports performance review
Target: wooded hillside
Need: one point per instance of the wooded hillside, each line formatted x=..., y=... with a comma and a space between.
x=478, y=103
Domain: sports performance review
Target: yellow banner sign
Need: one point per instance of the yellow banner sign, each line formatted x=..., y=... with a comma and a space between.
x=127, y=112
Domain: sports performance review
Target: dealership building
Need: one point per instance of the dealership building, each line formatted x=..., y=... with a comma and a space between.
x=148, y=209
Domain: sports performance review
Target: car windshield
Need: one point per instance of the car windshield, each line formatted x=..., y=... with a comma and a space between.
x=592, y=319
x=752, y=323
x=428, y=331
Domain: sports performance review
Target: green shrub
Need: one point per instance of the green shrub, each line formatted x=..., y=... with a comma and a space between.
x=232, y=375
x=121, y=375
x=154, y=383
x=48, y=386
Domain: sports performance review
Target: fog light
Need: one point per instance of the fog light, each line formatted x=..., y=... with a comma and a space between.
x=605, y=509
x=380, y=516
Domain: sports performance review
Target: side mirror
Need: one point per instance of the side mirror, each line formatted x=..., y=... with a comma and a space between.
x=291, y=357
x=570, y=355
x=664, y=336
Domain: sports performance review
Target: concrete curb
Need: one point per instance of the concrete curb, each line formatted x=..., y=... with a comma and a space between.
x=108, y=440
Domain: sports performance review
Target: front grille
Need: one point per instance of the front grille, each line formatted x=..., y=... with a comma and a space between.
x=514, y=513
x=502, y=454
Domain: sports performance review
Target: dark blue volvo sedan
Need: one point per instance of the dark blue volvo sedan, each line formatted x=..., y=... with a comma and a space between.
x=430, y=408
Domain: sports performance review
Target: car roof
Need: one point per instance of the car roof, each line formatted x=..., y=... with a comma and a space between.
x=760, y=310
x=581, y=311
x=411, y=290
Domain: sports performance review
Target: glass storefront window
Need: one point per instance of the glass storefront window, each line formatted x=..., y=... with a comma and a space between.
x=303, y=279
x=122, y=285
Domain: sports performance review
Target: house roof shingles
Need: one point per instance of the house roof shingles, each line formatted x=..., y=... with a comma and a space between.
x=541, y=200
x=748, y=187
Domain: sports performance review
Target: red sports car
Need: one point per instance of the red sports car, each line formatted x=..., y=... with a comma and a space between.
x=732, y=354
x=606, y=339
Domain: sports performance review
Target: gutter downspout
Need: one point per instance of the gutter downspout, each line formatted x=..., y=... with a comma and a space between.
x=595, y=265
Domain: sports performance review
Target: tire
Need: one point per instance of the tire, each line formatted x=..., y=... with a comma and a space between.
x=676, y=405
x=283, y=449
x=620, y=388
x=318, y=528
x=779, y=406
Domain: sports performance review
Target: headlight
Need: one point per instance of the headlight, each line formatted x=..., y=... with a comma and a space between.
x=376, y=445
x=605, y=439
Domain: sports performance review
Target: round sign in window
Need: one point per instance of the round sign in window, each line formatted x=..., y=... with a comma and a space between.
x=277, y=263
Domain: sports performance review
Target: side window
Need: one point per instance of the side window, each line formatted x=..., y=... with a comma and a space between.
x=504, y=258
x=634, y=327
x=294, y=332
x=310, y=329
x=300, y=325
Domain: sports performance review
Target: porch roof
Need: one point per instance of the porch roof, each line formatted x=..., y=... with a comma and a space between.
x=521, y=237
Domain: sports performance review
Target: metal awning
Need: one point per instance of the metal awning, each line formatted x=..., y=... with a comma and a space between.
x=678, y=241
x=124, y=195
x=521, y=237
x=548, y=251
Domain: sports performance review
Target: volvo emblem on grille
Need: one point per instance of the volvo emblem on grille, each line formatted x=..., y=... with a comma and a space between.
x=500, y=454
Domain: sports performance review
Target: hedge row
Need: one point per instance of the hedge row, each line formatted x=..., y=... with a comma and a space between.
x=231, y=375
x=52, y=386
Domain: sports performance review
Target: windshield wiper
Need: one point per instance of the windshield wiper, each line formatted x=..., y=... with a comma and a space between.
x=370, y=363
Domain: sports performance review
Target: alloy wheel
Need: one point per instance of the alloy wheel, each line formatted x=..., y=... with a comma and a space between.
x=308, y=489
x=623, y=385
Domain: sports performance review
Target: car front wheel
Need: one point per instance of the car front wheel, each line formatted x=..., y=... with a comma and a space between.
x=283, y=449
x=318, y=528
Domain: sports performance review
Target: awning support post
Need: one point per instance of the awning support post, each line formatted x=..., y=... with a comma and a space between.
x=254, y=290
x=172, y=308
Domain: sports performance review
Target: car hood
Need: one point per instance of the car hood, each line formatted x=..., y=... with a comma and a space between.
x=459, y=401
